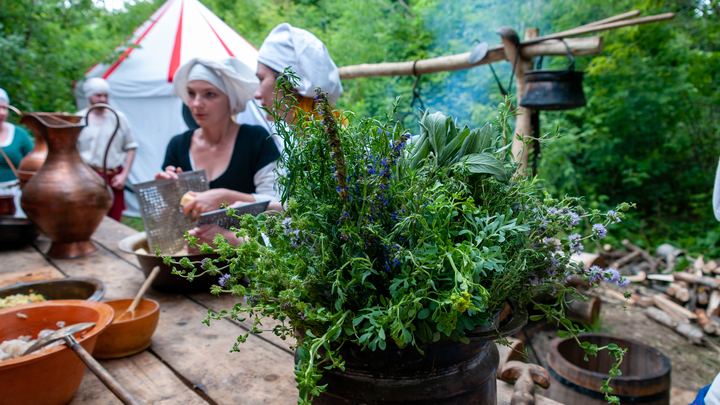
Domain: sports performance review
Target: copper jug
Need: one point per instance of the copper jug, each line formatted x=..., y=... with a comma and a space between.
x=66, y=199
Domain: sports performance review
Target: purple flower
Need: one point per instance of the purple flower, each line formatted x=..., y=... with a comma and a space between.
x=595, y=274
x=624, y=281
x=613, y=216
x=612, y=275
x=224, y=280
x=599, y=231
x=575, y=242
x=206, y=263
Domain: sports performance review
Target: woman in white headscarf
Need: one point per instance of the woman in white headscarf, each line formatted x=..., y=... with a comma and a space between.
x=15, y=144
x=238, y=159
x=288, y=46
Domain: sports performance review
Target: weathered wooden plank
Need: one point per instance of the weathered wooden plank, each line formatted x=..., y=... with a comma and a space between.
x=260, y=374
x=228, y=301
x=109, y=233
x=121, y=279
x=28, y=276
x=146, y=378
x=20, y=260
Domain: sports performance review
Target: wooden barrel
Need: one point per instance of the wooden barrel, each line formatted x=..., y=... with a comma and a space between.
x=645, y=375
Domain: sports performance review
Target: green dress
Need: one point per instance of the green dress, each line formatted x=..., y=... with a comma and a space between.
x=15, y=146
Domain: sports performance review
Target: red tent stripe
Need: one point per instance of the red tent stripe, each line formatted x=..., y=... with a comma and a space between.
x=137, y=42
x=175, y=59
x=218, y=36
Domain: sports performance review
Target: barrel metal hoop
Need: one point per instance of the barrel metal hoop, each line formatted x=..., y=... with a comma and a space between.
x=624, y=399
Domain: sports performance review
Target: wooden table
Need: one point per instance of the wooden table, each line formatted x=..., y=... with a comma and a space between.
x=188, y=362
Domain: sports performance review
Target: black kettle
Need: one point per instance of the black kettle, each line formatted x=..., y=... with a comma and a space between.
x=554, y=89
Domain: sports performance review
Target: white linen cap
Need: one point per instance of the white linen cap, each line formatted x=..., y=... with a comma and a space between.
x=4, y=96
x=95, y=85
x=287, y=46
x=230, y=76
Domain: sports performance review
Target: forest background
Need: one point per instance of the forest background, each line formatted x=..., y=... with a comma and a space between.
x=649, y=133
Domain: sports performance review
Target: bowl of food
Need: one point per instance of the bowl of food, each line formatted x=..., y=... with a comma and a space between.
x=129, y=335
x=52, y=375
x=16, y=232
x=166, y=281
x=74, y=288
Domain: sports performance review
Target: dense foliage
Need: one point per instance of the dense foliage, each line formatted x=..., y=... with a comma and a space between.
x=385, y=240
x=648, y=135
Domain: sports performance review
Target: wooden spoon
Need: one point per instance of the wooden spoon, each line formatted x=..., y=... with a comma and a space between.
x=131, y=309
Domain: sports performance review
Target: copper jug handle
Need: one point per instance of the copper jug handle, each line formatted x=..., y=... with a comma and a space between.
x=117, y=127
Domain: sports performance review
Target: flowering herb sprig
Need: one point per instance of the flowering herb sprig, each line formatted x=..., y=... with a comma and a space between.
x=387, y=241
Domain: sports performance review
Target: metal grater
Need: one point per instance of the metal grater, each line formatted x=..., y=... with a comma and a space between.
x=221, y=219
x=162, y=215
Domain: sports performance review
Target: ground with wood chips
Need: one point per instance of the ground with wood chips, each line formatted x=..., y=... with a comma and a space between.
x=693, y=366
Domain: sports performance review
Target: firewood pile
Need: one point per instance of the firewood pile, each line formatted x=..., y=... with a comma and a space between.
x=686, y=300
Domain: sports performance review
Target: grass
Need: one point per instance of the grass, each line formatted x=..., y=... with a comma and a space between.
x=134, y=223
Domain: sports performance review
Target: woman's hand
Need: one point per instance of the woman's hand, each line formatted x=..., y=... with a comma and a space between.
x=170, y=173
x=206, y=234
x=211, y=200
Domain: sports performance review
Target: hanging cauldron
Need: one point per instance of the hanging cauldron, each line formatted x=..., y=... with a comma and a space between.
x=554, y=89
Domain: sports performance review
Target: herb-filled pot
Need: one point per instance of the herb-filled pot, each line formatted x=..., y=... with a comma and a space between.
x=446, y=372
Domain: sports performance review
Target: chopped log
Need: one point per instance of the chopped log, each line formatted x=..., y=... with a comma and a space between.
x=695, y=335
x=710, y=267
x=702, y=280
x=588, y=259
x=642, y=300
x=698, y=265
x=618, y=296
x=713, y=304
x=703, y=297
x=515, y=352
x=638, y=278
x=668, y=278
x=705, y=323
x=585, y=312
x=678, y=291
x=647, y=256
x=625, y=259
x=675, y=310
x=692, y=299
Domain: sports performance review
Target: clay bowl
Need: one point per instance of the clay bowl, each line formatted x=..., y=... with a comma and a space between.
x=127, y=337
x=49, y=377
x=74, y=288
x=16, y=232
x=166, y=281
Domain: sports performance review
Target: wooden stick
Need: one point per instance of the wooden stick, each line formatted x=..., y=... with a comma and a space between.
x=701, y=280
x=647, y=256
x=619, y=17
x=578, y=46
x=672, y=308
x=604, y=27
x=695, y=335
x=625, y=259
x=713, y=304
x=637, y=278
x=707, y=325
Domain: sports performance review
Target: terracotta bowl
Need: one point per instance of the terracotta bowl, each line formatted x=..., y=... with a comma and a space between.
x=49, y=377
x=125, y=338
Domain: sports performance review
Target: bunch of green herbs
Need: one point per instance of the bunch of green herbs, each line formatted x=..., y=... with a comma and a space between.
x=388, y=238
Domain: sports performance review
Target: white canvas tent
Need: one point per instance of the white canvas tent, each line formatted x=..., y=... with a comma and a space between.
x=141, y=78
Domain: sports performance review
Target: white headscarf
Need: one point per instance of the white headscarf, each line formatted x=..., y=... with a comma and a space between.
x=287, y=46
x=95, y=85
x=230, y=76
x=4, y=96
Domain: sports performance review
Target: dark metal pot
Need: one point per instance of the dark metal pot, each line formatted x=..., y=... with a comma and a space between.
x=16, y=232
x=554, y=89
x=449, y=373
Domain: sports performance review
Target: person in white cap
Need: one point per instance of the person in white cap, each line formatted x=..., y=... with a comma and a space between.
x=94, y=139
x=288, y=46
x=15, y=144
x=239, y=159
